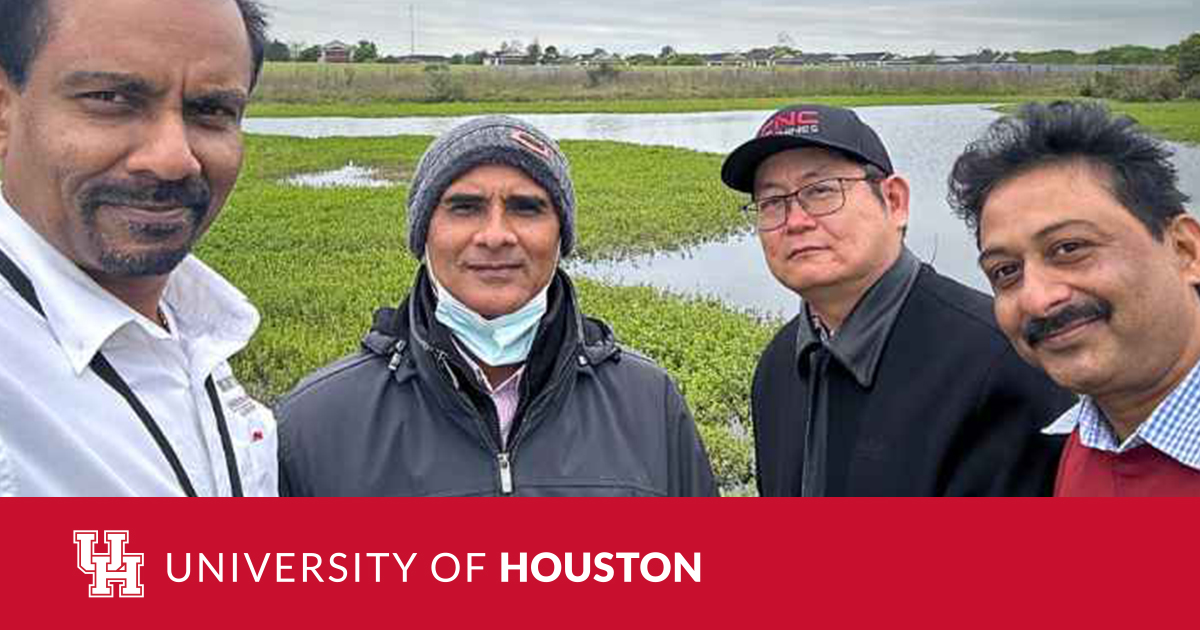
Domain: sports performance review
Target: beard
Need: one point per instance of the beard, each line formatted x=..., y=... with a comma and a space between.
x=193, y=194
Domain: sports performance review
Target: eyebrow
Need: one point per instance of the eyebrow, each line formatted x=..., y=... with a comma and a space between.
x=994, y=252
x=123, y=80
x=232, y=98
x=463, y=198
x=135, y=84
x=476, y=198
x=811, y=174
x=529, y=199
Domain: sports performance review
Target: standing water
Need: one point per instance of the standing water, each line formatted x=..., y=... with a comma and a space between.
x=923, y=143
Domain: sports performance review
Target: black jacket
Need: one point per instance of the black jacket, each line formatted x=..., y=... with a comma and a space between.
x=406, y=417
x=952, y=409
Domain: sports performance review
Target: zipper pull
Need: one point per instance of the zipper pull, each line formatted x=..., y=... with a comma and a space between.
x=506, y=482
x=446, y=366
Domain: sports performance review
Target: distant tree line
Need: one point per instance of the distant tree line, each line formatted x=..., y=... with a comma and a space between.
x=1184, y=55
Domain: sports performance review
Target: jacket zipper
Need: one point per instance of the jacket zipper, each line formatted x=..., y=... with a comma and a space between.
x=503, y=458
x=506, y=480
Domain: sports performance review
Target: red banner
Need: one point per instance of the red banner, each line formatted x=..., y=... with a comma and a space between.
x=707, y=563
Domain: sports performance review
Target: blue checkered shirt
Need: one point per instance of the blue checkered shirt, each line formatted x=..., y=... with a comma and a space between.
x=1173, y=429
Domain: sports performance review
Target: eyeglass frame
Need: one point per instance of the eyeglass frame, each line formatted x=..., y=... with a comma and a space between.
x=794, y=196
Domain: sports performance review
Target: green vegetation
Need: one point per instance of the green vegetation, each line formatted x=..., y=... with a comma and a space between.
x=1177, y=120
x=317, y=262
x=371, y=84
x=1135, y=87
x=1117, y=55
x=1187, y=67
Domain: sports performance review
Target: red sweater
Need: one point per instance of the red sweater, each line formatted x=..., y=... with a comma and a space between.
x=1141, y=472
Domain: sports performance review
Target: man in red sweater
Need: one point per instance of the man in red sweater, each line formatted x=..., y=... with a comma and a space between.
x=1095, y=264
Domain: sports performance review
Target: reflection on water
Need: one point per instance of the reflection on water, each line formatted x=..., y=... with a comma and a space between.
x=732, y=271
x=350, y=175
x=923, y=142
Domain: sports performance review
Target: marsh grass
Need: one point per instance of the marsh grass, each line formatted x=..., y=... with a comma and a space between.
x=324, y=83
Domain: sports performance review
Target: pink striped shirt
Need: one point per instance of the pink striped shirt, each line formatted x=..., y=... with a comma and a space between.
x=506, y=397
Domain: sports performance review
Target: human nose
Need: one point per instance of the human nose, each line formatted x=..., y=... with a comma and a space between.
x=165, y=150
x=795, y=217
x=496, y=231
x=1042, y=292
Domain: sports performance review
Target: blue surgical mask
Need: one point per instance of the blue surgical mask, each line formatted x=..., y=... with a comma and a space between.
x=504, y=340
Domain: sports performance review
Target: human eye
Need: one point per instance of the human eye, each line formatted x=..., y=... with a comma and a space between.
x=526, y=206
x=1003, y=274
x=107, y=101
x=820, y=190
x=1068, y=250
x=772, y=204
x=215, y=112
x=463, y=206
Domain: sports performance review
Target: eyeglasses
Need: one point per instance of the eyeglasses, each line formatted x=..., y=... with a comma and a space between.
x=817, y=199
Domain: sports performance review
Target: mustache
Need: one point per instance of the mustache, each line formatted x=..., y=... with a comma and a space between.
x=193, y=193
x=1037, y=330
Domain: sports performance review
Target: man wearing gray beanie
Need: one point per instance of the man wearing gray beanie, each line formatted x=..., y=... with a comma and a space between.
x=488, y=380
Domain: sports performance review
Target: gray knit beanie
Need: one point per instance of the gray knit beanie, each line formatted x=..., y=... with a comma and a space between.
x=489, y=140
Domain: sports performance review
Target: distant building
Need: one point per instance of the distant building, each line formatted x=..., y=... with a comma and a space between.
x=422, y=59
x=726, y=60
x=812, y=59
x=336, y=52
x=762, y=58
x=598, y=59
x=871, y=60
x=507, y=58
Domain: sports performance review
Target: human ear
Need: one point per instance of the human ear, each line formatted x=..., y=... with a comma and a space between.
x=1182, y=235
x=896, y=195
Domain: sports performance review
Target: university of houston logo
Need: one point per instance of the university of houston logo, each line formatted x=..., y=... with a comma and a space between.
x=118, y=567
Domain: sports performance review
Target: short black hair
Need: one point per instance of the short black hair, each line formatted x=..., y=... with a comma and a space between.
x=25, y=26
x=1140, y=173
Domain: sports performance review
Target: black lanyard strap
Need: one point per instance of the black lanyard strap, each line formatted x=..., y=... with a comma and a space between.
x=100, y=365
x=235, y=480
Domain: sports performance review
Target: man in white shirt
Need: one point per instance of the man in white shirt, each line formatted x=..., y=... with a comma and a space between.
x=120, y=142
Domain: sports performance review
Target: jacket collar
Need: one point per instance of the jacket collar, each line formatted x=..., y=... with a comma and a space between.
x=83, y=317
x=421, y=348
x=858, y=345
x=400, y=333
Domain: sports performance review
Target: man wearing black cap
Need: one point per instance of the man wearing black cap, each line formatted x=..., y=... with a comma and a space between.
x=893, y=379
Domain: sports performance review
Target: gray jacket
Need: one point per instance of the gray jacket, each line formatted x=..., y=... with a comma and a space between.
x=406, y=417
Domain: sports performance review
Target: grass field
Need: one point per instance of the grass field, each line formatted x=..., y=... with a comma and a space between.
x=318, y=261
x=378, y=83
x=1178, y=120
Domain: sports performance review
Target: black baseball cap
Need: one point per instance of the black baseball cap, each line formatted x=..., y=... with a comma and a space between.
x=801, y=126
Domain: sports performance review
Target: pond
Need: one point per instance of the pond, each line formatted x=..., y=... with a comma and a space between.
x=923, y=142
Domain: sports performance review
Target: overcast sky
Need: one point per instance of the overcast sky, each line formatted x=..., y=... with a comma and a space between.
x=630, y=26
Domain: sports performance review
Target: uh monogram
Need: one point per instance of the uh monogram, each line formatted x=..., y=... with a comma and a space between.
x=117, y=566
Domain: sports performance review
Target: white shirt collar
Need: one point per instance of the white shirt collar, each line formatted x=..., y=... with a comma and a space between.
x=82, y=316
x=1066, y=423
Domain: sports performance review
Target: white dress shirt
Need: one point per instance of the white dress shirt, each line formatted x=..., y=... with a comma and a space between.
x=64, y=431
